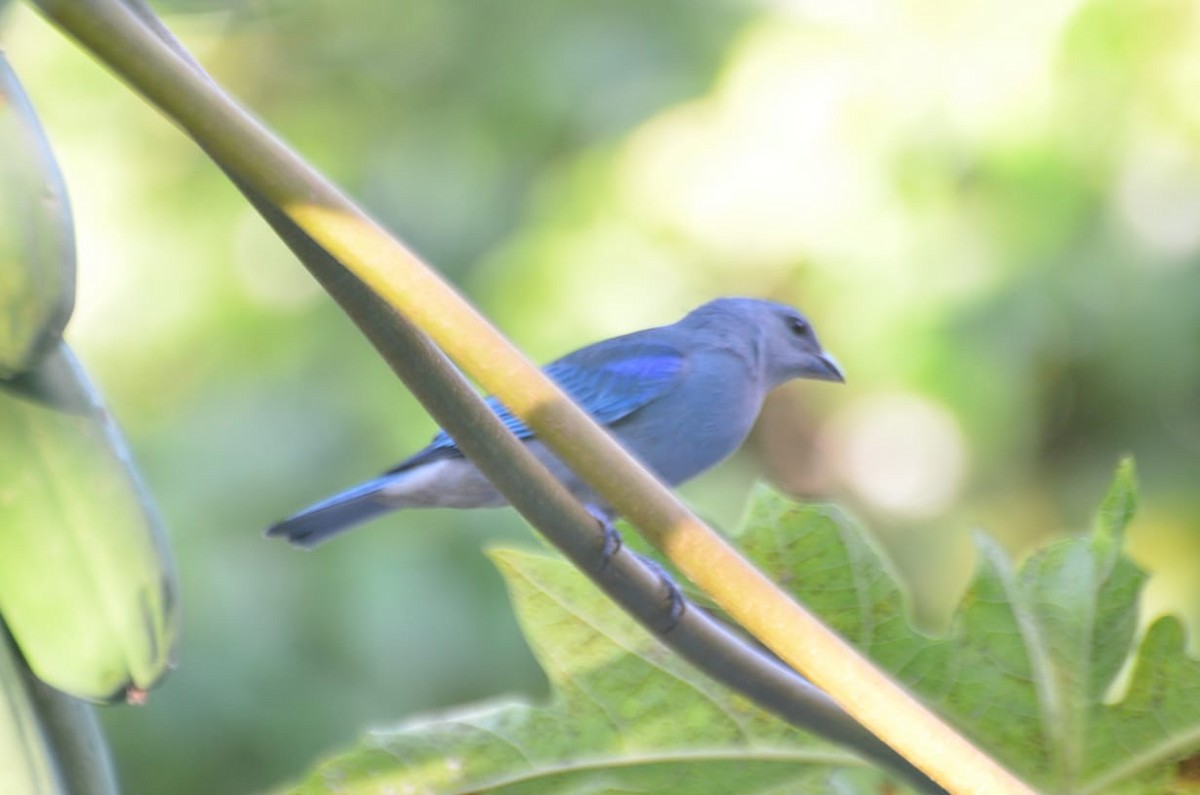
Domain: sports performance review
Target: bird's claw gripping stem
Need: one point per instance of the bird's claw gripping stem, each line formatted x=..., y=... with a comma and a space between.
x=612, y=543
x=676, y=604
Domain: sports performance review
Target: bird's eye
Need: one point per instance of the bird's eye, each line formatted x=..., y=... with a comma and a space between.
x=798, y=326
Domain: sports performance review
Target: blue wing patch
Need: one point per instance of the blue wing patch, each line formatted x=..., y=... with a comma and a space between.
x=609, y=381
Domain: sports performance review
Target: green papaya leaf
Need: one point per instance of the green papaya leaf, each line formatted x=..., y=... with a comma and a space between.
x=625, y=716
x=1025, y=670
x=1031, y=653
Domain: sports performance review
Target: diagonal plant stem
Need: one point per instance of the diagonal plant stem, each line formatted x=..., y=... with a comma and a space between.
x=545, y=502
x=248, y=152
x=548, y=506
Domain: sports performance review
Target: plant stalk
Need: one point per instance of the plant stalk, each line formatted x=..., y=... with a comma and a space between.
x=113, y=33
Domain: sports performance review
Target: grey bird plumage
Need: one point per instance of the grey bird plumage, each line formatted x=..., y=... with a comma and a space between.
x=681, y=398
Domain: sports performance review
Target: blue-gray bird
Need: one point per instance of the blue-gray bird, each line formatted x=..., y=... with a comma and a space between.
x=681, y=398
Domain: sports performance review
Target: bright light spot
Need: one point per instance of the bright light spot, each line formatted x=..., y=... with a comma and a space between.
x=847, y=13
x=1158, y=195
x=763, y=168
x=902, y=454
x=266, y=271
x=614, y=266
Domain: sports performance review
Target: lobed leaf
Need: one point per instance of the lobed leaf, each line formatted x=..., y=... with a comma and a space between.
x=1023, y=670
x=625, y=715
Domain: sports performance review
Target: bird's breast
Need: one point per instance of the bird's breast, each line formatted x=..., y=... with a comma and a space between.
x=698, y=425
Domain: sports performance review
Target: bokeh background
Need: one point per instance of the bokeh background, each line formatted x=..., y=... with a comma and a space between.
x=990, y=209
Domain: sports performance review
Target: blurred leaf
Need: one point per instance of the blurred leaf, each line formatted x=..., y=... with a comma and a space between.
x=626, y=715
x=86, y=581
x=1031, y=653
x=37, y=238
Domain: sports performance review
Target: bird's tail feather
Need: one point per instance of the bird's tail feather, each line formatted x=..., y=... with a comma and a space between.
x=340, y=512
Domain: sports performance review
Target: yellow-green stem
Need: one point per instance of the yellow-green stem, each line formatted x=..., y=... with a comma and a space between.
x=218, y=124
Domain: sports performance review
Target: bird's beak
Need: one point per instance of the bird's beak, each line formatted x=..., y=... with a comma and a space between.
x=825, y=368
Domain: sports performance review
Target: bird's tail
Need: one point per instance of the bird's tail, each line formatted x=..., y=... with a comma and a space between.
x=340, y=512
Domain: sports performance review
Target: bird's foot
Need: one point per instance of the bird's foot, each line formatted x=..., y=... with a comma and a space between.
x=612, y=545
x=673, y=596
x=612, y=542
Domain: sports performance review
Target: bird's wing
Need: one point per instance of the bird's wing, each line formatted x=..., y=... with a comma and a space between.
x=609, y=381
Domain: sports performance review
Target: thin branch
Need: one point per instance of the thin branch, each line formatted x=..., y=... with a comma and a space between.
x=251, y=154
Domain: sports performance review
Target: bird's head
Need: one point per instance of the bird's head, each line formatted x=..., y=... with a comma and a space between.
x=792, y=350
x=786, y=345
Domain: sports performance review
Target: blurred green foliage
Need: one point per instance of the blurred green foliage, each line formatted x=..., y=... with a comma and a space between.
x=991, y=211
